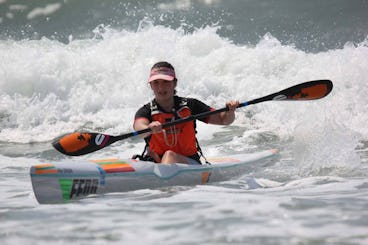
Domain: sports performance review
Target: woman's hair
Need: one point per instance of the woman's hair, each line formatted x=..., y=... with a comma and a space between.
x=163, y=64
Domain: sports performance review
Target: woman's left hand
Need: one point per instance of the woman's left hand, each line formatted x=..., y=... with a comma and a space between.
x=232, y=105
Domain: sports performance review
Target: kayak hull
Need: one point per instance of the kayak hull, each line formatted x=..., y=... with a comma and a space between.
x=70, y=180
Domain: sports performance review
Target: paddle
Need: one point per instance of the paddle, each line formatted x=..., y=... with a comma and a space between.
x=80, y=143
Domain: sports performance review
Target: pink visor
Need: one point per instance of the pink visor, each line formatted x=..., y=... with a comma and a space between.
x=164, y=73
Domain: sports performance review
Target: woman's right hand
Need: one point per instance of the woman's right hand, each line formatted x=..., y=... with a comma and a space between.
x=155, y=126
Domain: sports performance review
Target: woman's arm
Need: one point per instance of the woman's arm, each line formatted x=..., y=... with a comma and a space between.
x=143, y=123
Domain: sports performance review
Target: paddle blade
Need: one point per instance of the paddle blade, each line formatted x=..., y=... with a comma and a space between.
x=80, y=143
x=306, y=91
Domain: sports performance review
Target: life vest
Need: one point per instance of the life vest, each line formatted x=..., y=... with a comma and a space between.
x=179, y=138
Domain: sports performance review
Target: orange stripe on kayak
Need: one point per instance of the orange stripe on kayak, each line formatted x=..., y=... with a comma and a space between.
x=47, y=171
x=44, y=165
x=205, y=177
x=117, y=167
x=45, y=168
x=75, y=142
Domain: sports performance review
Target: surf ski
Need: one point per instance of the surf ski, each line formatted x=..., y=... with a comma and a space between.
x=69, y=180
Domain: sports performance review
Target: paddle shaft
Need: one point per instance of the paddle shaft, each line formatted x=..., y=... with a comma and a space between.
x=282, y=95
x=179, y=121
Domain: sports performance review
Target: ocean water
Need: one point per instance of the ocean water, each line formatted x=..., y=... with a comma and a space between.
x=83, y=65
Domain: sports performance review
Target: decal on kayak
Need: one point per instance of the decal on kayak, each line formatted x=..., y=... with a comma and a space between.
x=205, y=177
x=114, y=166
x=45, y=168
x=73, y=188
x=102, y=175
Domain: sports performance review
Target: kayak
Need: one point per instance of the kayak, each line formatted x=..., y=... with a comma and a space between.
x=69, y=180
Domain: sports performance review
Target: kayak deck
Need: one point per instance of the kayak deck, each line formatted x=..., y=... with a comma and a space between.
x=69, y=180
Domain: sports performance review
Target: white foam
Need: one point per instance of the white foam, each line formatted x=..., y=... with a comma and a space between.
x=49, y=88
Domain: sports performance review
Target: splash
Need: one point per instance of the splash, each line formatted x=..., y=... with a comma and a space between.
x=325, y=148
x=49, y=88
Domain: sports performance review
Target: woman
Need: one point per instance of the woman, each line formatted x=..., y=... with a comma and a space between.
x=176, y=144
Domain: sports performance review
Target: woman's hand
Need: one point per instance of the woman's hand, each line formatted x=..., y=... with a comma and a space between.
x=143, y=123
x=232, y=105
x=226, y=117
x=156, y=127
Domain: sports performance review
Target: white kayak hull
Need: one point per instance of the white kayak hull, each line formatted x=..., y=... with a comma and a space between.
x=69, y=180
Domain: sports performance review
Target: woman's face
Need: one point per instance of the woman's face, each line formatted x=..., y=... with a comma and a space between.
x=163, y=89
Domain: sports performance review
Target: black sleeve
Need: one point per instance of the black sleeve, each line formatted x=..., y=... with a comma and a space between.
x=197, y=107
x=144, y=111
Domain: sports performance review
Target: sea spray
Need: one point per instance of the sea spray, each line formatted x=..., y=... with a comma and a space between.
x=98, y=84
x=324, y=148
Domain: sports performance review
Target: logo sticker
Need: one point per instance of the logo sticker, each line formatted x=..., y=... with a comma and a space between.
x=280, y=97
x=99, y=139
x=205, y=177
x=73, y=188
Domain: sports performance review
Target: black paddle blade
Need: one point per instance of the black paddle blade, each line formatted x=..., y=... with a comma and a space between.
x=81, y=143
